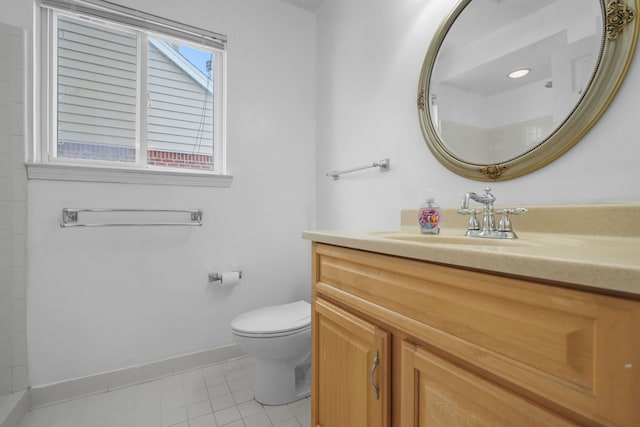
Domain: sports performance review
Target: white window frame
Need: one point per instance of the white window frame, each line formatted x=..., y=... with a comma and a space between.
x=43, y=164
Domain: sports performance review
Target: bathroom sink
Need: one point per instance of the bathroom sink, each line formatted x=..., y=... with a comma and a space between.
x=459, y=240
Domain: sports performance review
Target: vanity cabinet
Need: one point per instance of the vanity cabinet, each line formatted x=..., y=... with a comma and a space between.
x=352, y=369
x=459, y=347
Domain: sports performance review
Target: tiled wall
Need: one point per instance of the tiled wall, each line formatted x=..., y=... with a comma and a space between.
x=13, y=212
x=485, y=145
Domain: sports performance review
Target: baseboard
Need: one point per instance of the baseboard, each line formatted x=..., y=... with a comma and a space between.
x=99, y=383
x=13, y=408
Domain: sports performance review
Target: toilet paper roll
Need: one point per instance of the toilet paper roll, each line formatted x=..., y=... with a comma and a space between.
x=230, y=278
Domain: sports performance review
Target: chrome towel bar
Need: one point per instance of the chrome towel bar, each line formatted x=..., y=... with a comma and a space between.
x=70, y=218
x=383, y=164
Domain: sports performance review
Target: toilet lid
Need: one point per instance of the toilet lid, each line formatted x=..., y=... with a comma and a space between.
x=274, y=319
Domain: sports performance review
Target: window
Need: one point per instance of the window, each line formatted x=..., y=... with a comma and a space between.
x=130, y=91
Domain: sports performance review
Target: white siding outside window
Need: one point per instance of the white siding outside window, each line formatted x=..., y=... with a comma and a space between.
x=96, y=92
x=180, y=109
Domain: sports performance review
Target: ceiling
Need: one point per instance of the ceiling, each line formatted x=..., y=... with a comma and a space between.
x=310, y=5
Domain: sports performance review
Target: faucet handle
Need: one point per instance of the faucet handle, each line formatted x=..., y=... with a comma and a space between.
x=505, y=222
x=513, y=211
x=474, y=224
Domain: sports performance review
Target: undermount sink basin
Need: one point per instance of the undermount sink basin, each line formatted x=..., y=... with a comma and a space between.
x=448, y=239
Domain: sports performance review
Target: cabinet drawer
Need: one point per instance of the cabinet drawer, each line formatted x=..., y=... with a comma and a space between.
x=568, y=347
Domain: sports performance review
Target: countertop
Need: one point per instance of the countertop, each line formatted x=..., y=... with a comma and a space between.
x=582, y=252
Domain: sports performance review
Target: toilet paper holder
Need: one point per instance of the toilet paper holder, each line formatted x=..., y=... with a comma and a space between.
x=217, y=277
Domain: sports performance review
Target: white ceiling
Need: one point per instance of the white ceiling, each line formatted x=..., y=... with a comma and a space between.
x=310, y=5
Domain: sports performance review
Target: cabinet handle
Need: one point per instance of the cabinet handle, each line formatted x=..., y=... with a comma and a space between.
x=376, y=361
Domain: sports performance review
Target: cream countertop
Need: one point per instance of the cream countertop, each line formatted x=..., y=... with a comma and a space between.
x=567, y=244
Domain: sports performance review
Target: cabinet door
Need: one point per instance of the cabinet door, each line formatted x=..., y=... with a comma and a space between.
x=438, y=393
x=350, y=370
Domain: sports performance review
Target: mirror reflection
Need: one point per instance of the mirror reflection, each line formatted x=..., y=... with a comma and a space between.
x=510, y=72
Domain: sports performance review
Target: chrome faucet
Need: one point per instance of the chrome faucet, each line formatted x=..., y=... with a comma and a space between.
x=488, y=229
x=487, y=199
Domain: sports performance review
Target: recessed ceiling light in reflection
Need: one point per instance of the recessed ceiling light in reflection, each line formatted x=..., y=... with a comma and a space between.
x=516, y=74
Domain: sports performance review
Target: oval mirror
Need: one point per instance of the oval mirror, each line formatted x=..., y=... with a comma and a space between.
x=507, y=86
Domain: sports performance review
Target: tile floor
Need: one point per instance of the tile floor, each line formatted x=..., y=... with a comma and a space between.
x=216, y=395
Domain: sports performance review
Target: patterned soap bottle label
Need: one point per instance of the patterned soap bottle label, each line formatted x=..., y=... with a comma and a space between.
x=429, y=218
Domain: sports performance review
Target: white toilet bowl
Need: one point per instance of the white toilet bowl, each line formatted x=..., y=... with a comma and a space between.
x=279, y=339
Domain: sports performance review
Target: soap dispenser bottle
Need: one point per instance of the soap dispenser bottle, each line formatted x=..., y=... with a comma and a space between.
x=429, y=216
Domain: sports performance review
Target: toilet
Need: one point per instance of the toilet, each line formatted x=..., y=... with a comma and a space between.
x=279, y=339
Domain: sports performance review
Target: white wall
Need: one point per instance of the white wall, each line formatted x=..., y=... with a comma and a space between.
x=369, y=56
x=107, y=298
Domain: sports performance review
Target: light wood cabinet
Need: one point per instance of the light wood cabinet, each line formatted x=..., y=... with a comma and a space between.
x=438, y=393
x=467, y=348
x=351, y=369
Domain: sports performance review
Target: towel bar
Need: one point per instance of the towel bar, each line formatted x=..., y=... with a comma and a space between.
x=383, y=164
x=70, y=218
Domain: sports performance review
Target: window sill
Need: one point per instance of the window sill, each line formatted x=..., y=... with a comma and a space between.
x=66, y=172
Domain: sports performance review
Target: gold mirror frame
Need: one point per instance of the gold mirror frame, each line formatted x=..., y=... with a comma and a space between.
x=620, y=37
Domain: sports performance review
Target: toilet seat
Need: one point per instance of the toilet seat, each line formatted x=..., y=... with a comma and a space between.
x=274, y=321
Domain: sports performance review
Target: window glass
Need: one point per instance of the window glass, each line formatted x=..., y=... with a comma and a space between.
x=97, y=87
x=180, y=106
